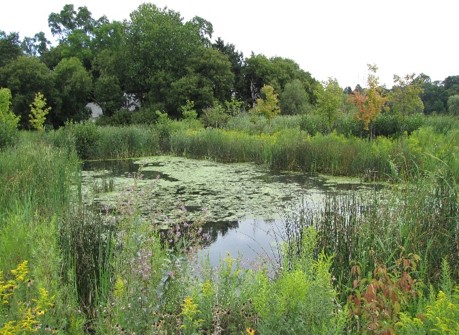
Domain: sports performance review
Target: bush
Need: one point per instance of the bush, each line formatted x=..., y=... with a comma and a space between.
x=441, y=314
x=8, y=135
x=8, y=120
x=144, y=116
x=215, y=116
x=86, y=137
x=442, y=123
x=301, y=300
x=121, y=117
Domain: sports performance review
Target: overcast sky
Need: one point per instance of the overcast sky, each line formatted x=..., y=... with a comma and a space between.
x=328, y=38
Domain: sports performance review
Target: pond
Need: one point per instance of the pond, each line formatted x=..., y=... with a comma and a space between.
x=241, y=204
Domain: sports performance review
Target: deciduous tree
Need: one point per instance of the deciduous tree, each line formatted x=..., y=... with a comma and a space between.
x=8, y=120
x=405, y=96
x=276, y=72
x=7, y=117
x=158, y=49
x=267, y=104
x=37, y=45
x=108, y=94
x=236, y=59
x=370, y=102
x=38, y=112
x=329, y=100
x=75, y=30
x=74, y=85
x=208, y=79
x=453, y=105
x=25, y=76
x=294, y=99
x=433, y=96
x=10, y=47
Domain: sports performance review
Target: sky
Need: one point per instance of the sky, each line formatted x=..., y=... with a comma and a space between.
x=328, y=38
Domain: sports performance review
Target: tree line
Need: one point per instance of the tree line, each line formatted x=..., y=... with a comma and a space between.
x=158, y=60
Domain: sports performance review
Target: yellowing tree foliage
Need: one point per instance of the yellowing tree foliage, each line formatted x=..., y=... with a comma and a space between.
x=38, y=112
x=268, y=105
x=370, y=102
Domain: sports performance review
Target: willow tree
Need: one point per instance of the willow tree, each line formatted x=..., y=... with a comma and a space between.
x=369, y=102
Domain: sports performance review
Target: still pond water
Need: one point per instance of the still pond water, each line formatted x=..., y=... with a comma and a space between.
x=243, y=205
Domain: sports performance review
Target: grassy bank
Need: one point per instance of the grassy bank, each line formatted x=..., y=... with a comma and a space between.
x=400, y=158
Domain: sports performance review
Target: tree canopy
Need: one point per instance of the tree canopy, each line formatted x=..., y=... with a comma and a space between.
x=157, y=58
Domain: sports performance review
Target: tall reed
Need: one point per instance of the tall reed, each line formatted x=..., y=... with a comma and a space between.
x=36, y=176
x=379, y=228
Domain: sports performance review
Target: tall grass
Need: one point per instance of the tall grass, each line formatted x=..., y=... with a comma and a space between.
x=36, y=177
x=93, y=142
x=419, y=218
x=86, y=241
x=38, y=183
x=404, y=158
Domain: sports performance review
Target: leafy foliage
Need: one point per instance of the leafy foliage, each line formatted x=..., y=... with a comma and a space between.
x=75, y=87
x=376, y=301
x=329, y=100
x=294, y=99
x=108, y=94
x=301, y=300
x=268, y=104
x=29, y=314
x=441, y=313
x=453, y=104
x=158, y=46
x=10, y=47
x=405, y=96
x=25, y=76
x=38, y=112
x=8, y=121
x=369, y=103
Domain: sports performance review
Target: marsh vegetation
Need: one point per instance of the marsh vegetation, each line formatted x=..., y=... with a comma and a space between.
x=112, y=249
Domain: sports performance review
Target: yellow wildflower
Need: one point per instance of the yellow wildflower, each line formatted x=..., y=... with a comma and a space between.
x=119, y=287
x=208, y=289
x=189, y=307
x=21, y=272
x=250, y=331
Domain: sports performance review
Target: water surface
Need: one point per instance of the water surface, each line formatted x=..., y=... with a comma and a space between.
x=241, y=204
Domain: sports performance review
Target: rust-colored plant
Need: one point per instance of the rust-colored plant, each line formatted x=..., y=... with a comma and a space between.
x=376, y=302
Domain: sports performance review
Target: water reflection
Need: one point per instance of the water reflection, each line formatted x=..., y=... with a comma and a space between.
x=249, y=239
x=125, y=168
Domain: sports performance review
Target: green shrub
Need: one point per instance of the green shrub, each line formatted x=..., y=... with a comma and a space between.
x=144, y=116
x=376, y=301
x=442, y=123
x=440, y=315
x=8, y=135
x=121, y=117
x=86, y=137
x=215, y=116
x=301, y=300
x=8, y=120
